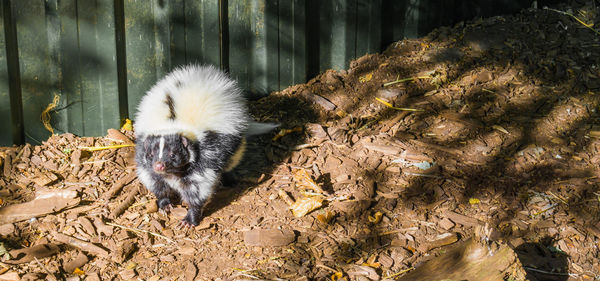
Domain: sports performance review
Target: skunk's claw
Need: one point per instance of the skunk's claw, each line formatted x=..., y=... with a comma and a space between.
x=184, y=225
x=165, y=210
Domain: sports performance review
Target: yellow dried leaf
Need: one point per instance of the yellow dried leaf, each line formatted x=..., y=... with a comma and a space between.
x=595, y=134
x=305, y=205
x=304, y=181
x=78, y=271
x=373, y=265
x=96, y=148
x=396, y=108
x=127, y=126
x=131, y=265
x=376, y=218
x=154, y=278
x=366, y=78
x=285, y=197
x=341, y=113
x=337, y=276
x=325, y=217
x=499, y=128
x=474, y=201
x=284, y=132
x=371, y=261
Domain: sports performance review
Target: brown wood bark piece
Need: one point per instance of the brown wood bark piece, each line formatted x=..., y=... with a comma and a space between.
x=35, y=208
x=462, y=219
x=28, y=254
x=269, y=237
x=126, y=203
x=116, y=188
x=470, y=260
x=86, y=246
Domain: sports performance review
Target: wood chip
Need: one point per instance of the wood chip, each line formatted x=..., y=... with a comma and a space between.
x=83, y=245
x=10, y=276
x=385, y=149
x=44, y=179
x=363, y=270
x=35, y=252
x=442, y=240
x=7, y=229
x=116, y=135
x=116, y=188
x=76, y=262
x=461, y=219
x=446, y=224
x=269, y=237
x=119, y=209
x=323, y=102
x=35, y=208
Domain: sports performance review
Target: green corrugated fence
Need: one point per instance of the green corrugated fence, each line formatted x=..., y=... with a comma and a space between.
x=98, y=57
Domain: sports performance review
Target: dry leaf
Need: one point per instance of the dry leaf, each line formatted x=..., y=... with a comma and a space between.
x=284, y=132
x=325, y=217
x=499, y=128
x=366, y=78
x=127, y=126
x=285, y=197
x=78, y=271
x=304, y=181
x=305, y=205
x=376, y=218
x=337, y=276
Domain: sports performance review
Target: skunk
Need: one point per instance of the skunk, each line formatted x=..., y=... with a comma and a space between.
x=191, y=130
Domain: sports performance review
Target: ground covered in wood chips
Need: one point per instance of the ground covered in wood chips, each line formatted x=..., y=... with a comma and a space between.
x=490, y=124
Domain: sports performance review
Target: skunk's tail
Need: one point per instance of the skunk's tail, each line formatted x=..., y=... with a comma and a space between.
x=255, y=128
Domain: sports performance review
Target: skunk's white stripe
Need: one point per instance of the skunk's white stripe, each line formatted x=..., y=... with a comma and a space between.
x=204, y=98
x=146, y=179
x=161, y=147
x=201, y=189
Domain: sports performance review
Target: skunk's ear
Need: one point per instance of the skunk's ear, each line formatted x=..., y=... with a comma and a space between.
x=146, y=143
x=184, y=141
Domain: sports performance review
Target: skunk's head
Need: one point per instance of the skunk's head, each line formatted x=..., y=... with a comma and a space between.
x=167, y=154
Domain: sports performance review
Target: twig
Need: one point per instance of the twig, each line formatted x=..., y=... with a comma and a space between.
x=327, y=267
x=393, y=276
x=406, y=80
x=138, y=231
x=125, y=204
x=422, y=175
x=96, y=148
x=550, y=273
x=41, y=265
x=119, y=185
x=397, y=108
x=84, y=245
x=590, y=26
x=544, y=210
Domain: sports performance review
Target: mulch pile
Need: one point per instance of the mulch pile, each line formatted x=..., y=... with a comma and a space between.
x=484, y=131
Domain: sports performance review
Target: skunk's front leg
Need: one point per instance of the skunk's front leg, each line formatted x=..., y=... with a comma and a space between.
x=166, y=197
x=194, y=214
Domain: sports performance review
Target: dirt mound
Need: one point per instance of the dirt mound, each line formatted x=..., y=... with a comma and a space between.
x=491, y=124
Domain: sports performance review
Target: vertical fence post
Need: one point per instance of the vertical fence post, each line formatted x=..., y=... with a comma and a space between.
x=14, y=74
x=121, y=59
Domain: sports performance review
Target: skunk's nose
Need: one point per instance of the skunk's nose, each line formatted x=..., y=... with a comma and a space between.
x=159, y=167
